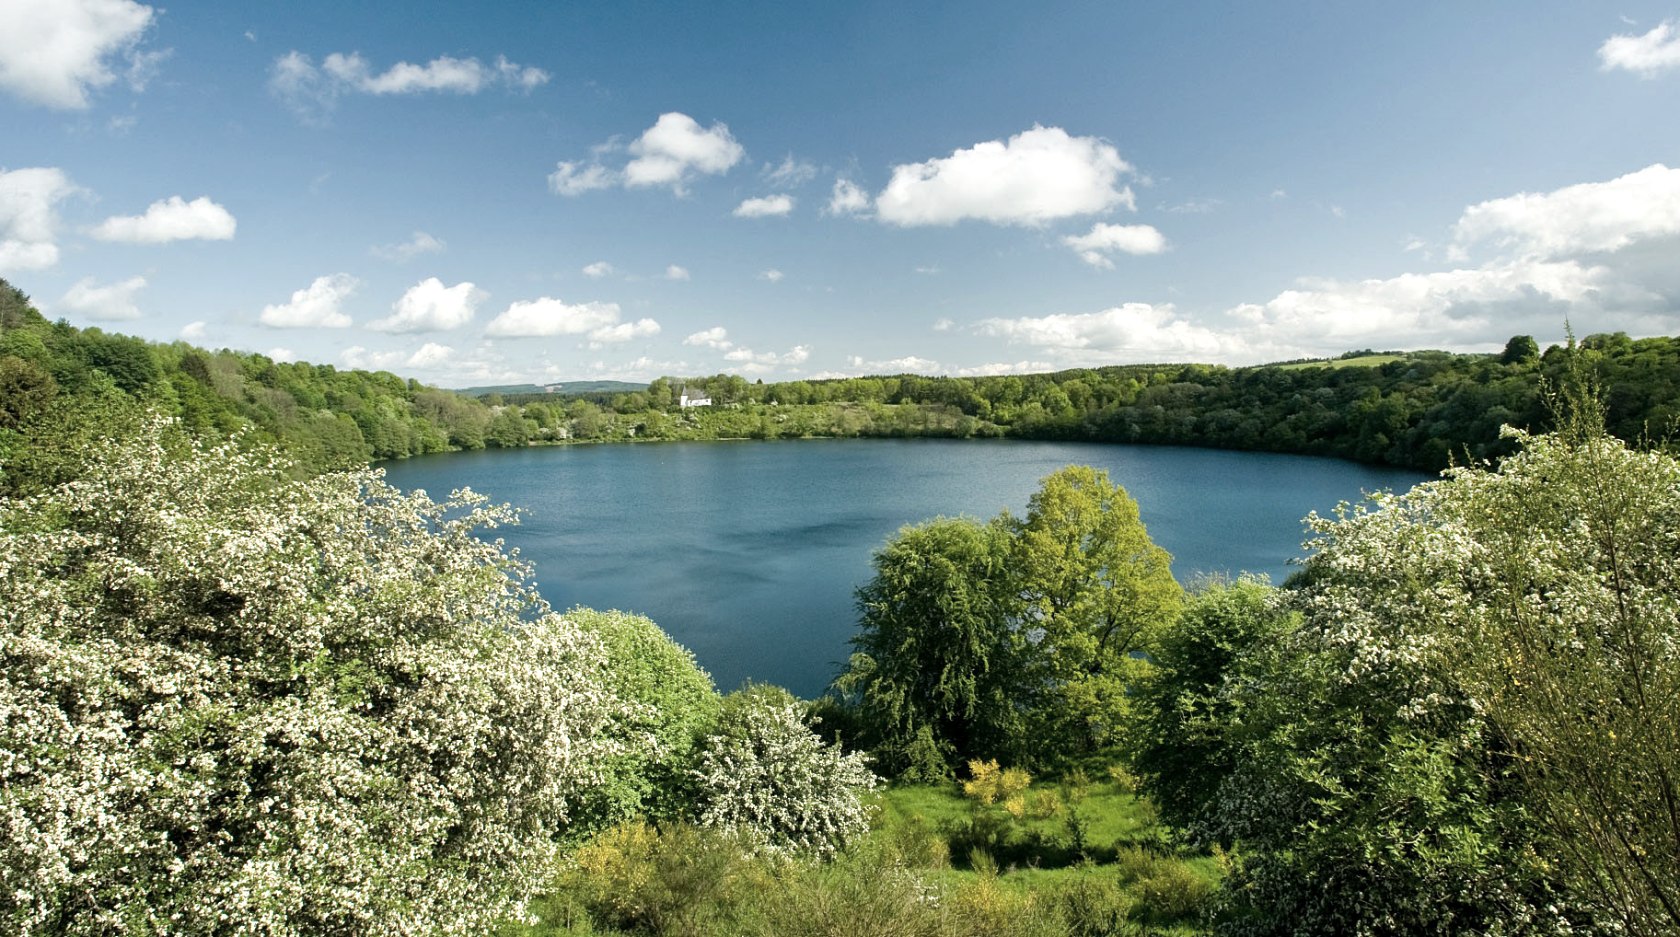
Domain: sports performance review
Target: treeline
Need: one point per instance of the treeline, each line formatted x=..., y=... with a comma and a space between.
x=1423, y=409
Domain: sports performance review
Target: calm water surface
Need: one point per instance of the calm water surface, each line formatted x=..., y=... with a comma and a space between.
x=748, y=552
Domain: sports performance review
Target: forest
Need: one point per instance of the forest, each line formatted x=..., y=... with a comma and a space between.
x=249, y=688
x=1422, y=409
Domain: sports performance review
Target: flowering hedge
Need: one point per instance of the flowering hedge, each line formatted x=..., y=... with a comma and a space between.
x=236, y=703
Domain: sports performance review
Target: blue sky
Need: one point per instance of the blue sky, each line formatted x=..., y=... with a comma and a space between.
x=543, y=191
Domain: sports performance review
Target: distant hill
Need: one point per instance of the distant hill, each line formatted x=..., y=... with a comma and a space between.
x=564, y=388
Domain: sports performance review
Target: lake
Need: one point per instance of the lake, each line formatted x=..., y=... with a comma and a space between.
x=748, y=552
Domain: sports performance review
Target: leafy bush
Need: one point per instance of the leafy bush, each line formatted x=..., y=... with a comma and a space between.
x=675, y=704
x=767, y=775
x=316, y=706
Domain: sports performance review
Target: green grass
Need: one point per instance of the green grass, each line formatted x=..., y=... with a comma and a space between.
x=916, y=875
x=1364, y=361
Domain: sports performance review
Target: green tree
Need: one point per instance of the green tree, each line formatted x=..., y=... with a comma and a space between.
x=1521, y=349
x=1098, y=593
x=936, y=668
x=1184, y=740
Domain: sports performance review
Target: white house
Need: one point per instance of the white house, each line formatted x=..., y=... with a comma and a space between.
x=697, y=399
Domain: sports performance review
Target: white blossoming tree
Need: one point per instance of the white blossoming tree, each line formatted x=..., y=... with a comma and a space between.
x=236, y=703
x=768, y=777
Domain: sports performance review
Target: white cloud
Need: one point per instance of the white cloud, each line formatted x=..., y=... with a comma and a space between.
x=716, y=337
x=111, y=302
x=773, y=206
x=315, y=306
x=545, y=317
x=1032, y=178
x=1451, y=308
x=929, y=271
x=1104, y=239
x=772, y=275
x=676, y=147
x=748, y=361
x=674, y=272
x=429, y=306
x=598, y=269
x=418, y=243
x=944, y=325
x=193, y=331
x=313, y=91
x=1127, y=333
x=282, y=355
x=53, y=52
x=848, y=198
x=670, y=153
x=28, y=220
x=430, y=355
x=1200, y=205
x=1650, y=54
x=1003, y=367
x=171, y=219
x=624, y=332
x=577, y=178
x=1591, y=217
x=789, y=173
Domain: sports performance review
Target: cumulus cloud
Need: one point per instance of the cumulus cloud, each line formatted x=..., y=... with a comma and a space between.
x=598, y=269
x=1649, y=54
x=312, y=91
x=171, y=219
x=848, y=198
x=1591, y=217
x=29, y=217
x=1104, y=239
x=1126, y=333
x=429, y=306
x=315, y=306
x=430, y=355
x=772, y=275
x=772, y=206
x=1456, y=308
x=676, y=147
x=194, y=331
x=282, y=355
x=112, y=302
x=546, y=317
x=54, y=52
x=669, y=154
x=716, y=337
x=748, y=361
x=674, y=272
x=1032, y=178
x=624, y=332
x=418, y=243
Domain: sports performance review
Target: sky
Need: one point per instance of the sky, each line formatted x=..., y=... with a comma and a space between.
x=540, y=191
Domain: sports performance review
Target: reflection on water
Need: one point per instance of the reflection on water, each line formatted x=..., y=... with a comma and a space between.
x=748, y=552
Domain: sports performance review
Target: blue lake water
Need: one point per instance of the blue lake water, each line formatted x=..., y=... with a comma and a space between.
x=748, y=552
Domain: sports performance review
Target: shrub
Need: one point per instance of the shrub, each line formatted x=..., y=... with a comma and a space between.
x=767, y=775
x=317, y=706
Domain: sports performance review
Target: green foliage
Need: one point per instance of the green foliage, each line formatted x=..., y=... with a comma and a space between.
x=673, y=706
x=935, y=674
x=317, y=706
x=1100, y=592
x=1017, y=639
x=1183, y=745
